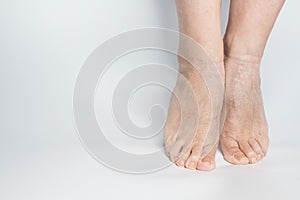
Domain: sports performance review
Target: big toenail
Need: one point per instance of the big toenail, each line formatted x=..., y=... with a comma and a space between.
x=243, y=159
x=204, y=165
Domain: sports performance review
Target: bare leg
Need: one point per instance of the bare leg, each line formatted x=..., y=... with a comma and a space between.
x=245, y=135
x=200, y=20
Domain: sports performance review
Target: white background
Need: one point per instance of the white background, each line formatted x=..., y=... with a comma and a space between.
x=42, y=47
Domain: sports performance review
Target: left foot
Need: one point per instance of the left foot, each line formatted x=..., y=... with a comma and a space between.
x=244, y=139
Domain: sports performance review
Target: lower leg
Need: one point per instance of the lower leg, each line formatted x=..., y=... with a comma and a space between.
x=200, y=20
x=250, y=24
x=244, y=138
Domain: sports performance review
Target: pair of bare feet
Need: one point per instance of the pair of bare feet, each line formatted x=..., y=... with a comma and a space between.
x=243, y=138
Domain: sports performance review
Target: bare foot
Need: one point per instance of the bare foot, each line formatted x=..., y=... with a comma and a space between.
x=190, y=120
x=245, y=134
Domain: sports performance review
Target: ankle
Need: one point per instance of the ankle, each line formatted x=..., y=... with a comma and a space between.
x=243, y=72
x=242, y=61
x=237, y=49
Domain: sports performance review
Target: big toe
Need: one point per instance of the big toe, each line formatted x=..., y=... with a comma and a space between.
x=208, y=162
x=233, y=154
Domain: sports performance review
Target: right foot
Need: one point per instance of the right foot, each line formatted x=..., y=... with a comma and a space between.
x=182, y=149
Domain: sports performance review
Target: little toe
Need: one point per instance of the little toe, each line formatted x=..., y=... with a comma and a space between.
x=249, y=152
x=167, y=144
x=175, y=151
x=264, y=143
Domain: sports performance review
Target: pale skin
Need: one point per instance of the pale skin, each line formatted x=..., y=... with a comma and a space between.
x=244, y=137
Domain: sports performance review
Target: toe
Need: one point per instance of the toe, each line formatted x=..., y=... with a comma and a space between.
x=182, y=159
x=168, y=143
x=208, y=162
x=235, y=156
x=232, y=153
x=257, y=148
x=240, y=157
x=206, y=165
x=193, y=159
x=249, y=152
x=264, y=143
x=175, y=151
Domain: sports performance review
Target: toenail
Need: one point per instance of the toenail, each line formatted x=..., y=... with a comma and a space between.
x=259, y=156
x=205, y=164
x=253, y=160
x=236, y=156
x=243, y=159
x=181, y=163
x=192, y=164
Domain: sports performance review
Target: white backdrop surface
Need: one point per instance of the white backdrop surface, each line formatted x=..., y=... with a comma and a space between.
x=42, y=47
